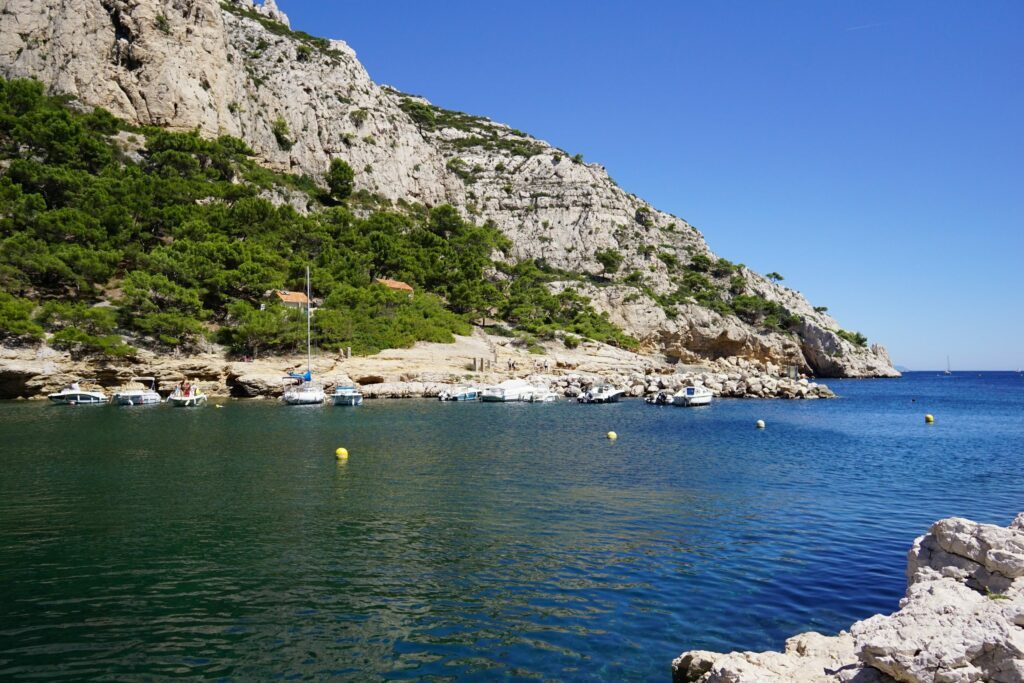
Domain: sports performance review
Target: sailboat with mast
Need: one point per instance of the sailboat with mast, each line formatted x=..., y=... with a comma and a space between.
x=305, y=392
x=948, y=371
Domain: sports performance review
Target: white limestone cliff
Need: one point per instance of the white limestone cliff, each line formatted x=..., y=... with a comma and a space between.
x=234, y=67
x=961, y=620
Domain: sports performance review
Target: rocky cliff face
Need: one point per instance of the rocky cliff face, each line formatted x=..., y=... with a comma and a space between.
x=235, y=68
x=962, y=620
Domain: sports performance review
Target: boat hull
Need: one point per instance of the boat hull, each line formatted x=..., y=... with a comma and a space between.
x=348, y=400
x=463, y=396
x=186, y=401
x=692, y=402
x=611, y=398
x=146, y=398
x=692, y=397
x=305, y=394
x=304, y=400
x=84, y=398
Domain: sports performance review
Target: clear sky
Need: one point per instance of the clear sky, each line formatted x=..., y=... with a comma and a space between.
x=872, y=152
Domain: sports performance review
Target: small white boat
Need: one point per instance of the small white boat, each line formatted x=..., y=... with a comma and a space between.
x=541, y=396
x=304, y=394
x=508, y=391
x=74, y=395
x=144, y=395
x=347, y=395
x=460, y=394
x=693, y=396
x=604, y=393
x=662, y=398
x=186, y=396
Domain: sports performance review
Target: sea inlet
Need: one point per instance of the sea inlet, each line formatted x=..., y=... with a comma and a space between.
x=476, y=541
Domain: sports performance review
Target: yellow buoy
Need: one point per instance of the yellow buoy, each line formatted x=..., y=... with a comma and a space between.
x=612, y=436
x=759, y=424
x=929, y=418
x=341, y=453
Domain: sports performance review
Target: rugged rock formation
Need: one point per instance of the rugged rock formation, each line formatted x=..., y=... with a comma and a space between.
x=428, y=369
x=962, y=620
x=236, y=68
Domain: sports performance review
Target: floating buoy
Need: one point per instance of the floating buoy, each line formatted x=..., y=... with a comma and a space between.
x=929, y=419
x=341, y=453
x=612, y=436
x=217, y=405
x=759, y=424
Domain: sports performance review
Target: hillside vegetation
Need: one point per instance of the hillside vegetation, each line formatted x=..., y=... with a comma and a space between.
x=113, y=236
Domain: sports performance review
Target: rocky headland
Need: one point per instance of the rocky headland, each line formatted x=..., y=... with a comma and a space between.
x=961, y=620
x=236, y=68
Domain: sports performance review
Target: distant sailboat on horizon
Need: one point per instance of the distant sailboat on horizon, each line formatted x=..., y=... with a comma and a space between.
x=948, y=371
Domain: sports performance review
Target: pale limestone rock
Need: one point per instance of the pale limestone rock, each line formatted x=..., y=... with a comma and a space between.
x=807, y=658
x=962, y=620
x=948, y=633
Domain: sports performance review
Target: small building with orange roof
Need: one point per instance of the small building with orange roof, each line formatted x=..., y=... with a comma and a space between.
x=291, y=299
x=396, y=285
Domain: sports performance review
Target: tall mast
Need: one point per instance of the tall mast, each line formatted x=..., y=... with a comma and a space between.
x=309, y=349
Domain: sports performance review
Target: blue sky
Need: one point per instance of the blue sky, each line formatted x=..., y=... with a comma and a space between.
x=871, y=152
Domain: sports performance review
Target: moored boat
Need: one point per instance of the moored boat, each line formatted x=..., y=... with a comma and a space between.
x=539, y=395
x=604, y=393
x=508, y=391
x=74, y=395
x=185, y=395
x=305, y=392
x=460, y=394
x=347, y=395
x=663, y=398
x=696, y=395
x=144, y=394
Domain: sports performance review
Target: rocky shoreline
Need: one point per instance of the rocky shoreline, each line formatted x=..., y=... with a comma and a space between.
x=421, y=372
x=961, y=620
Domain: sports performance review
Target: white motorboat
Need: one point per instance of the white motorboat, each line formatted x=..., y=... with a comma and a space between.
x=604, y=393
x=662, y=398
x=74, y=395
x=347, y=395
x=186, y=395
x=541, y=396
x=143, y=395
x=508, y=391
x=696, y=395
x=305, y=392
x=460, y=394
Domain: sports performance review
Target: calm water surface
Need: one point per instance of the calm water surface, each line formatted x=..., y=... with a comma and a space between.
x=476, y=541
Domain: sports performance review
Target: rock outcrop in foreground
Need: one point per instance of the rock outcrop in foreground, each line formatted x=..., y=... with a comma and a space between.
x=962, y=620
x=235, y=67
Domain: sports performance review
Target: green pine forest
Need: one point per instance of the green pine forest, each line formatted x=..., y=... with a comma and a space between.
x=106, y=247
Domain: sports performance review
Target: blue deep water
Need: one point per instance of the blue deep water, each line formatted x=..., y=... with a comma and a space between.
x=476, y=541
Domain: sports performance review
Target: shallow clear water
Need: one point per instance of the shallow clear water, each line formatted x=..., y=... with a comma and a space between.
x=476, y=541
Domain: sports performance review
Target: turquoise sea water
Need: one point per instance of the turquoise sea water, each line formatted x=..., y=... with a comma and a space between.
x=476, y=541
